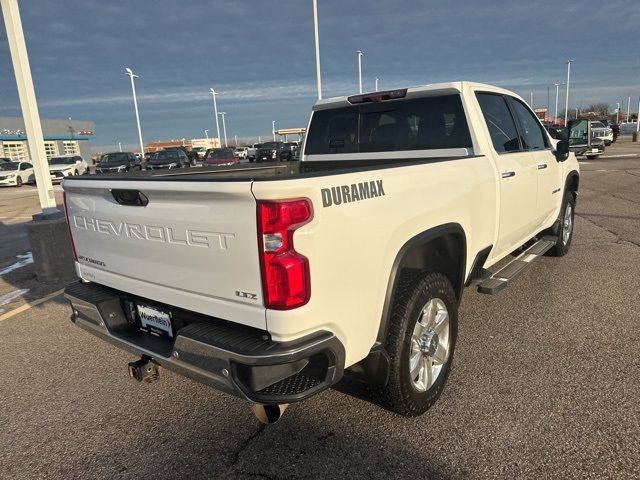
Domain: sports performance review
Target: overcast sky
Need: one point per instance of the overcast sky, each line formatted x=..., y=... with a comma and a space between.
x=259, y=55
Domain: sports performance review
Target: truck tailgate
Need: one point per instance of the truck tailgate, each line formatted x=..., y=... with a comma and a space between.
x=193, y=245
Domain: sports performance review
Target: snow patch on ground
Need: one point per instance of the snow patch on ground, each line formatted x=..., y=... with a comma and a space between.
x=23, y=260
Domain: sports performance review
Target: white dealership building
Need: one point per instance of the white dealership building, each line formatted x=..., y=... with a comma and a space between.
x=61, y=137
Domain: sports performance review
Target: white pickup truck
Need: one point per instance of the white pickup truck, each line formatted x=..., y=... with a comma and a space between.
x=273, y=282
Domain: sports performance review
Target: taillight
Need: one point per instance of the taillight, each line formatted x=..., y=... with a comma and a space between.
x=66, y=214
x=285, y=272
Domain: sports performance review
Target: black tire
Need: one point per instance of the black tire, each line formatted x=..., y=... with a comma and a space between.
x=75, y=173
x=18, y=181
x=415, y=290
x=592, y=157
x=561, y=248
x=608, y=143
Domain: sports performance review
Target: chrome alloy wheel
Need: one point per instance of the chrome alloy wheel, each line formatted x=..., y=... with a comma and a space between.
x=567, y=224
x=429, y=345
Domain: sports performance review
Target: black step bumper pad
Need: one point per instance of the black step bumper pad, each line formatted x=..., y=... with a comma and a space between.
x=233, y=358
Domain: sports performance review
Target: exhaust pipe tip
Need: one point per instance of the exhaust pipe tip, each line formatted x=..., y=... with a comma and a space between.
x=269, y=414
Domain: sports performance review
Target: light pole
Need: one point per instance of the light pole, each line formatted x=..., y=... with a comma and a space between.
x=273, y=129
x=531, y=100
x=618, y=112
x=235, y=137
x=566, y=101
x=215, y=111
x=120, y=146
x=317, y=44
x=360, y=55
x=28, y=105
x=377, y=84
x=555, y=116
x=135, y=106
x=224, y=127
x=628, y=108
x=548, y=104
x=206, y=134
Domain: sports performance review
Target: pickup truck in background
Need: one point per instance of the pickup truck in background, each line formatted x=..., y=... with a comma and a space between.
x=272, y=282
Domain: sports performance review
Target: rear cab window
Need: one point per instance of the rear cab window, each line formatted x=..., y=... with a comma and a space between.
x=424, y=123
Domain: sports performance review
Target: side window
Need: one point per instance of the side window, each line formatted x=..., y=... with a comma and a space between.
x=28, y=165
x=500, y=123
x=530, y=129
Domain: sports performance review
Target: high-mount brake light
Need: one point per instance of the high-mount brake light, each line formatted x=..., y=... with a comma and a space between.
x=66, y=214
x=376, y=97
x=285, y=272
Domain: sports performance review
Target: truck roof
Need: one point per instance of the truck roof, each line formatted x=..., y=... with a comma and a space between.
x=416, y=92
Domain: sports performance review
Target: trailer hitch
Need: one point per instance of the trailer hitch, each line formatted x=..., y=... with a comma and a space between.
x=144, y=370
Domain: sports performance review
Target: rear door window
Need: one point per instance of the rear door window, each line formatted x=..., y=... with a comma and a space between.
x=500, y=122
x=415, y=124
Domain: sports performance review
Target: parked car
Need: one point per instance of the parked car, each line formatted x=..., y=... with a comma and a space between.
x=269, y=152
x=118, y=162
x=288, y=152
x=16, y=173
x=168, y=158
x=252, y=151
x=191, y=155
x=242, y=152
x=615, y=128
x=272, y=284
x=62, y=166
x=601, y=131
x=200, y=151
x=220, y=156
x=5, y=159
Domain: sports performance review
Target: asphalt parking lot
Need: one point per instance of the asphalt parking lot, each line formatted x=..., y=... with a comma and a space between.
x=545, y=383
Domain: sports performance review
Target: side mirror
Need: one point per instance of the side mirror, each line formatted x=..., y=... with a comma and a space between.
x=562, y=150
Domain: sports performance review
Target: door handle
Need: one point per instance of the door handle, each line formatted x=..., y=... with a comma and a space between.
x=542, y=166
x=508, y=174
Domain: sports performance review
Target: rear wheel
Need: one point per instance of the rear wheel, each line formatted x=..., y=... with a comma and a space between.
x=420, y=343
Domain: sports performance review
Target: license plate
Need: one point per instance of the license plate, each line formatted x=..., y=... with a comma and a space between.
x=594, y=150
x=155, y=321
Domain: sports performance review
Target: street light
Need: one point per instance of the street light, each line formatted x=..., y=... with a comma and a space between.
x=618, y=112
x=360, y=55
x=224, y=127
x=628, y=108
x=317, y=44
x=566, y=101
x=377, y=83
x=215, y=111
x=531, y=100
x=206, y=134
x=555, y=116
x=273, y=129
x=135, y=106
x=120, y=146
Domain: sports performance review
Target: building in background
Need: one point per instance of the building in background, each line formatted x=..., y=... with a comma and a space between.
x=61, y=137
x=194, y=142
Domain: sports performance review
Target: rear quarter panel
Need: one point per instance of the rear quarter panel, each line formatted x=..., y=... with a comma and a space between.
x=351, y=247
